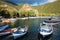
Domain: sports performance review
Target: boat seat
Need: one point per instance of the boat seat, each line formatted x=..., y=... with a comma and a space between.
x=18, y=32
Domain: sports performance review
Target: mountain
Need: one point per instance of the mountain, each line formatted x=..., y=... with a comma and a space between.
x=26, y=7
x=3, y=2
x=47, y=9
x=50, y=8
x=7, y=5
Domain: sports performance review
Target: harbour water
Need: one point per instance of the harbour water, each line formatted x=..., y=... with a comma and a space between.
x=33, y=33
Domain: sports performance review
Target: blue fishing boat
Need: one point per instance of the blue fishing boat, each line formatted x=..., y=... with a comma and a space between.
x=3, y=30
x=4, y=27
x=19, y=32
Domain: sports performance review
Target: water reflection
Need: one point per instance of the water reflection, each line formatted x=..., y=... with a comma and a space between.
x=20, y=22
x=7, y=37
x=40, y=37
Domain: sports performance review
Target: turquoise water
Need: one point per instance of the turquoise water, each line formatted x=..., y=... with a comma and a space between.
x=33, y=30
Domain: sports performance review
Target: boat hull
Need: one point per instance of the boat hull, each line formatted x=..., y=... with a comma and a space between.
x=18, y=35
x=5, y=33
x=45, y=34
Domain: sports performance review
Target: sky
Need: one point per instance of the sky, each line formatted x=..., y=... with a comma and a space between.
x=31, y=2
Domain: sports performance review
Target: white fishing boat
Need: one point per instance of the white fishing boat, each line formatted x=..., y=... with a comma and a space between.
x=45, y=29
x=18, y=32
x=53, y=20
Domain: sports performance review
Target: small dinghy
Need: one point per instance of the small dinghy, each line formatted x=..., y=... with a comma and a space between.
x=18, y=32
x=45, y=29
x=4, y=27
x=5, y=32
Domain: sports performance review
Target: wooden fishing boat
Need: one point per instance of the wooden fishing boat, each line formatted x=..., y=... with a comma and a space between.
x=4, y=32
x=19, y=32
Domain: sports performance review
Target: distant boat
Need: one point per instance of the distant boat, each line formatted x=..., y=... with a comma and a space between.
x=45, y=29
x=53, y=20
x=24, y=18
x=4, y=27
x=5, y=32
x=18, y=32
x=12, y=20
